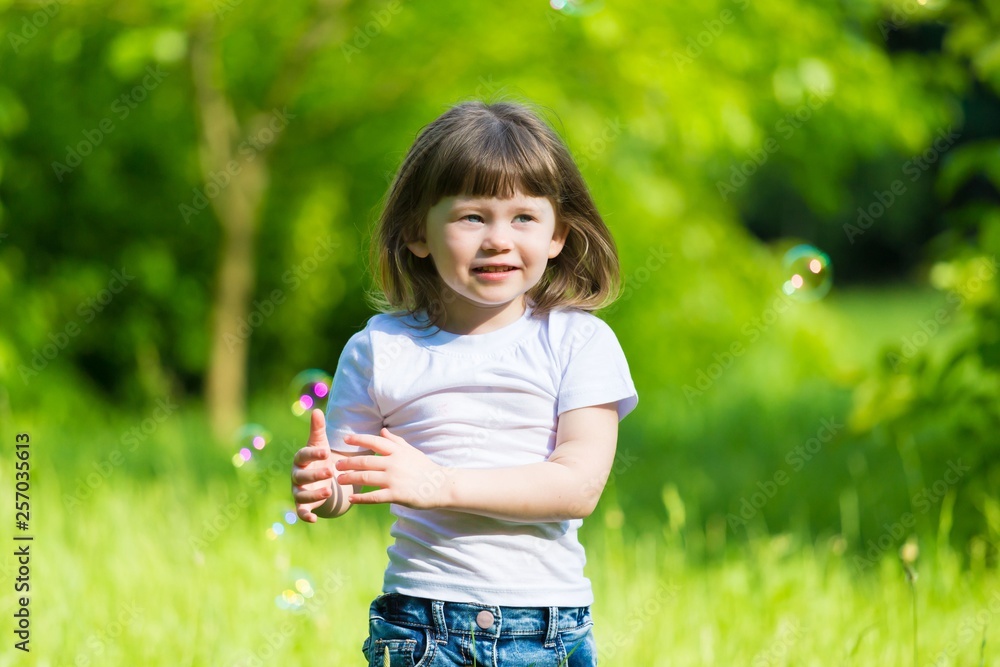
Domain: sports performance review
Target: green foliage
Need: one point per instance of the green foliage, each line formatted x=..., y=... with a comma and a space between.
x=633, y=103
x=692, y=125
x=936, y=396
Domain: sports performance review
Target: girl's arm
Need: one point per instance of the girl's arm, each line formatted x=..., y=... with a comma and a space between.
x=567, y=486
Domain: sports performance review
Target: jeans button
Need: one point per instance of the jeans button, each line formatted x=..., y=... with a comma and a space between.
x=484, y=619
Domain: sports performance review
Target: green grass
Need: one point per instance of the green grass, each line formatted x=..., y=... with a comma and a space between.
x=117, y=582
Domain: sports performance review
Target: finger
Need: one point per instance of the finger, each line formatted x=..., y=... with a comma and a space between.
x=364, y=478
x=302, y=476
x=317, y=430
x=392, y=436
x=305, y=515
x=375, y=443
x=361, y=463
x=370, y=498
x=307, y=455
x=306, y=496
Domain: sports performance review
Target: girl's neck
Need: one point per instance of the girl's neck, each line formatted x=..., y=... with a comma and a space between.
x=472, y=321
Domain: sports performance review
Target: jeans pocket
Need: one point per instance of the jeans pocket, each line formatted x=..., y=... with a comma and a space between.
x=577, y=646
x=391, y=645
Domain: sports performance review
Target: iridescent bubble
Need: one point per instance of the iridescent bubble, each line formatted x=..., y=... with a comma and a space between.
x=809, y=273
x=250, y=439
x=277, y=529
x=297, y=591
x=310, y=389
x=576, y=7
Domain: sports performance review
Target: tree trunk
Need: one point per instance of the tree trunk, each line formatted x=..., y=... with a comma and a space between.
x=237, y=206
x=225, y=386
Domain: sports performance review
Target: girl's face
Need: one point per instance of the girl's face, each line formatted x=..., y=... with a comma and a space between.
x=463, y=234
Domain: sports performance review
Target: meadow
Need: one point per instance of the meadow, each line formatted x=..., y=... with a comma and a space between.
x=151, y=548
x=117, y=582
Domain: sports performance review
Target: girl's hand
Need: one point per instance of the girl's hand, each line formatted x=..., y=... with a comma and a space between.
x=312, y=470
x=405, y=475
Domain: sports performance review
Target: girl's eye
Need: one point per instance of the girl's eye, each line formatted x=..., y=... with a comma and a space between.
x=470, y=216
x=527, y=218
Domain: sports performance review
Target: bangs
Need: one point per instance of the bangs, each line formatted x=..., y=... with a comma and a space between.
x=497, y=158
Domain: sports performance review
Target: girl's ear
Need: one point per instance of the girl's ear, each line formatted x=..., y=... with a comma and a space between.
x=419, y=247
x=558, y=239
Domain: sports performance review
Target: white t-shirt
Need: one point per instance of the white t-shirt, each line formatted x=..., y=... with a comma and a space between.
x=479, y=401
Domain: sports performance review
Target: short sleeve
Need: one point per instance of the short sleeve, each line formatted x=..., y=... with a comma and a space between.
x=352, y=407
x=595, y=369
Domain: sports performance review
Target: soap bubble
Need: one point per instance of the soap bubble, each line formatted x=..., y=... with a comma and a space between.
x=299, y=589
x=251, y=439
x=809, y=273
x=310, y=389
x=277, y=529
x=576, y=7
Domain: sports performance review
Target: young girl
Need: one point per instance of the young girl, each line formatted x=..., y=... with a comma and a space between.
x=483, y=401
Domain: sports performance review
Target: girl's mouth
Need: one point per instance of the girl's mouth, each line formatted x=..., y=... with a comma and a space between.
x=494, y=269
x=493, y=274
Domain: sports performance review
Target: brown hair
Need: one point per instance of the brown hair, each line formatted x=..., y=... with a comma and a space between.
x=491, y=150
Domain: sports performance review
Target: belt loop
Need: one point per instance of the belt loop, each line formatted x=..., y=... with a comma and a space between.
x=553, y=631
x=440, y=627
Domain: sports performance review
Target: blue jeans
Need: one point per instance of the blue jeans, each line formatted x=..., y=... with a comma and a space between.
x=420, y=632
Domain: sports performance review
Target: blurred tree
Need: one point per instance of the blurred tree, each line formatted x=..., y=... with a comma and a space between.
x=233, y=154
x=937, y=393
x=677, y=116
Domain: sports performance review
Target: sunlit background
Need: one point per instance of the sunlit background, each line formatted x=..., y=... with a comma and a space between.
x=806, y=202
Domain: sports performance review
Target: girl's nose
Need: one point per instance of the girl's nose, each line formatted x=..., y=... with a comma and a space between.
x=497, y=236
